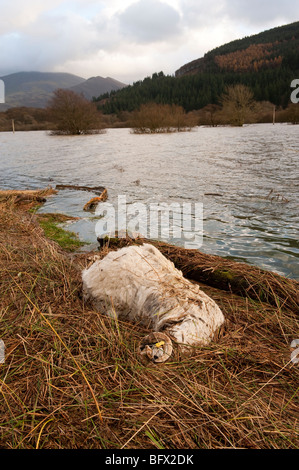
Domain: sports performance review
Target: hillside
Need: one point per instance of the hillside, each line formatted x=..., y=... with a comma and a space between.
x=270, y=49
x=96, y=86
x=266, y=63
x=34, y=89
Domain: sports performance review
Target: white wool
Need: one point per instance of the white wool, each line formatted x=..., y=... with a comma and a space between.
x=139, y=284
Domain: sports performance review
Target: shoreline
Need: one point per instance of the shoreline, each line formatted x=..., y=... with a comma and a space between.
x=49, y=129
x=72, y=379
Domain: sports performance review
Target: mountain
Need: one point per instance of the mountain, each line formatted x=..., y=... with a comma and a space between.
x=266, y=62
x=34, y=89
x=268, y=49
x=96, y=86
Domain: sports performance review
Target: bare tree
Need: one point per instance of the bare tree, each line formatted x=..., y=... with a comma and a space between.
x=73, y=114
x=209, y=115
x=290, y=114
x=155, y=118
x=238, y=105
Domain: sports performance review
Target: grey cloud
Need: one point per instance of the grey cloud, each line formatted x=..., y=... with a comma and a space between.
x=149, y=21
x=56, y=34
x=255, y=14
x=200, y=13
x=51, y=42
x=263, y=12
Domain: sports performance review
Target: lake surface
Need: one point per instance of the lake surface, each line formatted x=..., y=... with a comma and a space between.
x=246, y=178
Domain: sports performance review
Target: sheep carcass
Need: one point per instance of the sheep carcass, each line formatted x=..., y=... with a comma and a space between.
x=137, y=283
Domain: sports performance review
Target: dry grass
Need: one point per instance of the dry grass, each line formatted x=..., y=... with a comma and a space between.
x=72, y=378
x=24, y=198
x=240, y=278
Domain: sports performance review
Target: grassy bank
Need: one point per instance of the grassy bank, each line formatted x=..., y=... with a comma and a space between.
x=51, y=225
x=72, y=378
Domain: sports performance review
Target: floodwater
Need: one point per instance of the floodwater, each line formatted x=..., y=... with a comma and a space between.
x=245, y=179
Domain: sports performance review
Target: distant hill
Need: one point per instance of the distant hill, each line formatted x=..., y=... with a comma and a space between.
x=34, y=89
x=266, y=63
x=96, y=86
x=269, y=49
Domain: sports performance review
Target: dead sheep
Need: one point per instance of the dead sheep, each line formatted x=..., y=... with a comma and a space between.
x=138, y=284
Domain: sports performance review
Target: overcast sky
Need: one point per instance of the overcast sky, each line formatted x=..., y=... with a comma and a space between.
x=126, y=39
